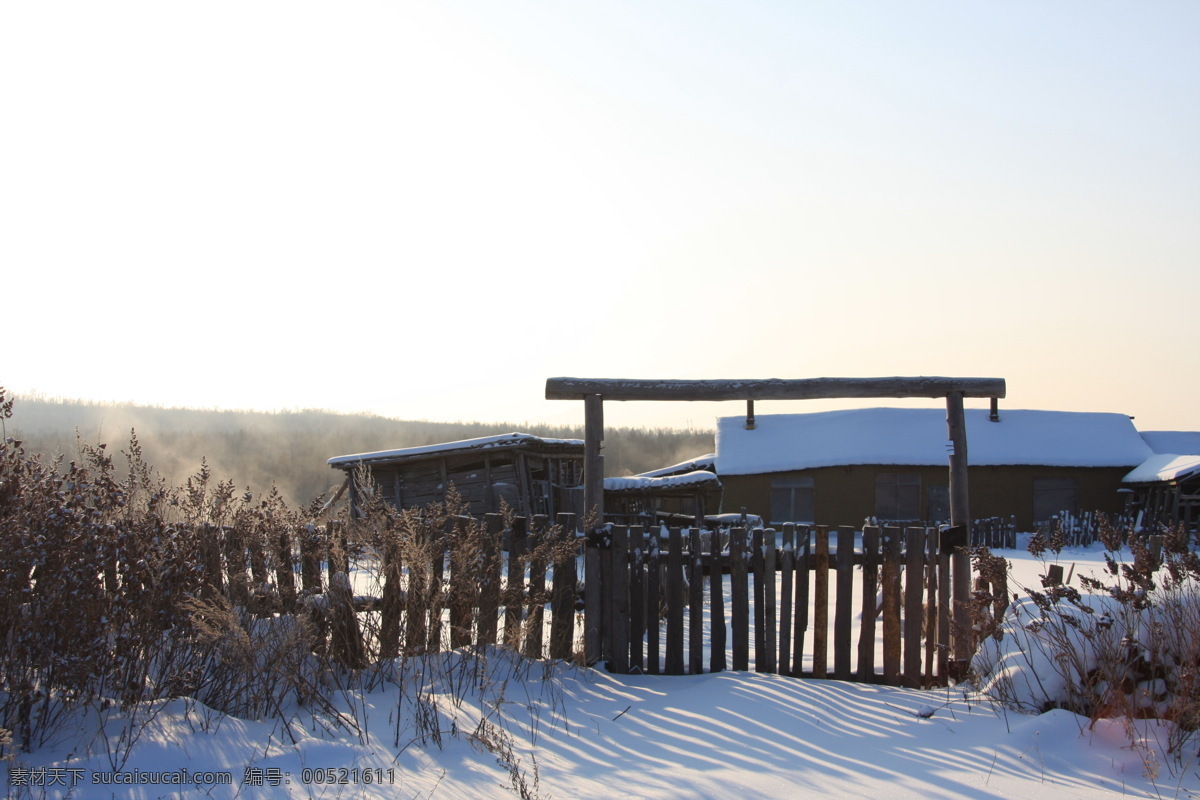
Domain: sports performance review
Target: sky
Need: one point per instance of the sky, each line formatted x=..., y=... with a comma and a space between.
x=426, y=210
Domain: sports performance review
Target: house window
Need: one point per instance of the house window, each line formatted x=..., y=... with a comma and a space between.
x=1052, y=496
x=937, y=502
x=898, y=496
x=792, y=500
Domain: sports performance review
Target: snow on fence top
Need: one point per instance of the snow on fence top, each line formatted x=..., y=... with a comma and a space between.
x=918, y=437
x=481, y=443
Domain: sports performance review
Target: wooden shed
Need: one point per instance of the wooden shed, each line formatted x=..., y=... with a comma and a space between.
x=531, y=474
x=838, y=467
x=1166, y=486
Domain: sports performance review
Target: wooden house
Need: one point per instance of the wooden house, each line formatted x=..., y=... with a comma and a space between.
x=676, y=495
x=839, y=467
x=532, y=475
x=1166, y=486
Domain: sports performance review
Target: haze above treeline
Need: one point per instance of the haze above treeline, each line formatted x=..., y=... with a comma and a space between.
x=289, y=449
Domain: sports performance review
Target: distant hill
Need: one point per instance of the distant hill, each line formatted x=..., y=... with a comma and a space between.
x=289, y=449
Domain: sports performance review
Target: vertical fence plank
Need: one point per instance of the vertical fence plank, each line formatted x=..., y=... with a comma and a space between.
x=675, y=602
x=803, y=566
x=311, y=553
x=235, y=566
x=787, y=564
x=419, y=578
x=489, y=589
x=870, y=609
x=566, y=588
x=821, y=603
x=591, y=596
x=653, y=600
x=739, y=599
x=637, y=598
x=756, y=568
x=392, y=606
x=695, y=603
x=536, y=617
x=891, y=606
x=514, y=591
x=770, y=617
x=931, y=615
x=943, y=625
x=843, y=611
x=618, y=659
x=464, y=583
x=434, y=601
x=285, y=575
x=716, y=605
x=914, y=611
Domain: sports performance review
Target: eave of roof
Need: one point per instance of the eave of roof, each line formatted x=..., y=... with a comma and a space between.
x=483, y=443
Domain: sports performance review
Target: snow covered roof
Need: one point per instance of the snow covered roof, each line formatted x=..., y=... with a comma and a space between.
x=918, y=437
x=481, y=443
x=1164, y=467
x=1187, y=442
x=699, y=479
x=701, y=463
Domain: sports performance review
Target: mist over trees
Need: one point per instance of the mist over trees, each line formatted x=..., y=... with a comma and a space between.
x=289, y=449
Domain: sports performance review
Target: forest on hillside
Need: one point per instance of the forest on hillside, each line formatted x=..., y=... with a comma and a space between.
x=289, y=449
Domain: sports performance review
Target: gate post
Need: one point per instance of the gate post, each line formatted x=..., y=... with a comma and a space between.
x=960, y=517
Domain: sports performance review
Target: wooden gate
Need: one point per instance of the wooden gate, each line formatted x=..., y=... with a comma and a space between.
x=867, y=605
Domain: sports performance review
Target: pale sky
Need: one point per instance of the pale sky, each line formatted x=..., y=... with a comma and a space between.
x=425, y=210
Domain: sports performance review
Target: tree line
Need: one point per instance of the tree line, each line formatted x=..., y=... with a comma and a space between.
x=289, y=449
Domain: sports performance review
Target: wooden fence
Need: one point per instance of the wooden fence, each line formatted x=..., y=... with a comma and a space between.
x=807, y=601
x=515, y=586
x=782, y=587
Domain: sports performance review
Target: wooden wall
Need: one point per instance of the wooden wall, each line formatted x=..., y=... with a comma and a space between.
x=848, y=493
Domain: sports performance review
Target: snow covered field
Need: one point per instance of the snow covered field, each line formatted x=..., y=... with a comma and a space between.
x=552, y=730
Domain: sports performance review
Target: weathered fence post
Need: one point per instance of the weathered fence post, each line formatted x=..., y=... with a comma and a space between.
x=914, y=612
x=536, y=618
x=695, y=603
x=285, y=577
x=760, y=625
x=739, y=611
x=931, y=605
x=804, y=542
x=716, y=605
x=514, y=593
x=489, y=587
x=770, y=623
x=392, y=606
x=566, y=587
x=870, y=591
x=821, y=604
x=891, y=606
x=787, y=564
x=675, y=602
x=653, y=599
x=845, y=598
x=592, y=596
x=618, y=658
x=464, y=581
x=637, y=598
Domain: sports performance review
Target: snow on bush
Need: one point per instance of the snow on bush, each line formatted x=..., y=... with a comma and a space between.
x=1127, y=647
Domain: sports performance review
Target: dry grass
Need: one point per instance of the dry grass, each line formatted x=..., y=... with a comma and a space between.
x=118, y=590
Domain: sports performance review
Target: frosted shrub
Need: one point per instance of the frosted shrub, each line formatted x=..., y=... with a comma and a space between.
x=1128, y=648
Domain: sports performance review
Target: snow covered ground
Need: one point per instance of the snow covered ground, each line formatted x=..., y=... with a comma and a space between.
x=552, y=730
